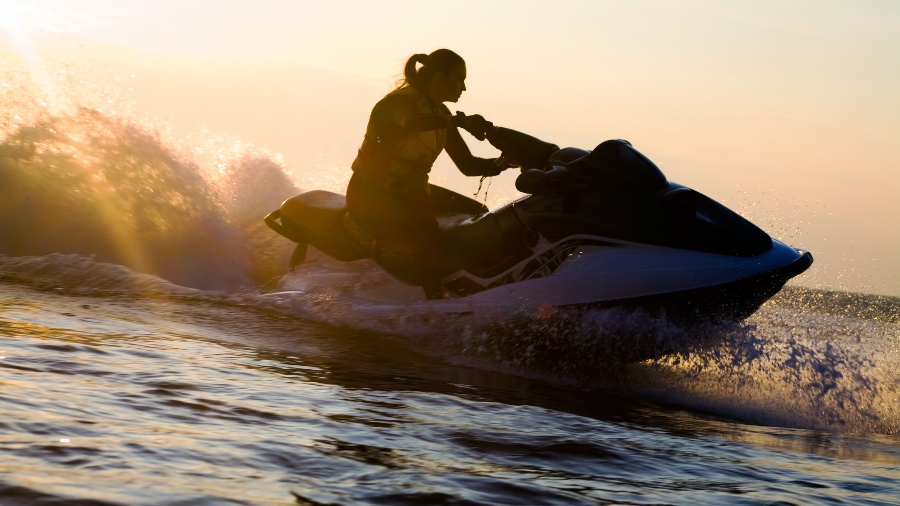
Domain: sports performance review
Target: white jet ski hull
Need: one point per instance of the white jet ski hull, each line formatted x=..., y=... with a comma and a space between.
x=581, y=271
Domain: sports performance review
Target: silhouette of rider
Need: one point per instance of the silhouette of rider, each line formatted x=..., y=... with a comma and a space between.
x=389, y=194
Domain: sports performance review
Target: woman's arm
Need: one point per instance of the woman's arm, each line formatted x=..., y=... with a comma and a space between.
x=468, y=164
x=396, y=116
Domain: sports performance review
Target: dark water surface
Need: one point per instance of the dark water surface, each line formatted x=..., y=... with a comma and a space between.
x=187, y=397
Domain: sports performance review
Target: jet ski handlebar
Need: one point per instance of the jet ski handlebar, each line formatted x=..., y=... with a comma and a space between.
x=613, y=166
x=520, y=150
x=533, y=156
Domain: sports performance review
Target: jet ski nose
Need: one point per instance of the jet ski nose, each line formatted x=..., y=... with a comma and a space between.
x=800, y=265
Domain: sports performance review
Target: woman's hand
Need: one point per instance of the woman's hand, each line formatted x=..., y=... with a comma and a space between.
x=474, y=124
x=498, y=165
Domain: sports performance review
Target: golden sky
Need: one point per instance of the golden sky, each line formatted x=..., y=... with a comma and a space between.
x=788, y=112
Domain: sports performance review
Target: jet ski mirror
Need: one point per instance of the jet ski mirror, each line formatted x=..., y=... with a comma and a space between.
x=521, y=150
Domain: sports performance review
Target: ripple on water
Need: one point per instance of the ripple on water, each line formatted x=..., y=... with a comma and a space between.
x=160, y=415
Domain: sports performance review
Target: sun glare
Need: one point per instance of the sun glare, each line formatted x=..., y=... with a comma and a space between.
x=19, y=22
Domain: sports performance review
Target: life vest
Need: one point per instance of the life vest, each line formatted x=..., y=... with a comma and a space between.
x=404, y=166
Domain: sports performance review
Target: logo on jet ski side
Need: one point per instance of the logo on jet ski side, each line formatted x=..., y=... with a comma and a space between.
x=538, y=266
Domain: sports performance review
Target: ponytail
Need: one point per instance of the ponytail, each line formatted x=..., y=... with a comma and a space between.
x=441, y=60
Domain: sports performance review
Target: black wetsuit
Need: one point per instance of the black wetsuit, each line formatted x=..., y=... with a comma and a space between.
x=384, y=204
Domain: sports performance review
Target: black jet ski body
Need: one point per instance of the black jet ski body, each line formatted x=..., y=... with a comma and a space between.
x=599, y=228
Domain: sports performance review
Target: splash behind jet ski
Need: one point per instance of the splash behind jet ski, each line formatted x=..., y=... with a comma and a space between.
x=598, y=228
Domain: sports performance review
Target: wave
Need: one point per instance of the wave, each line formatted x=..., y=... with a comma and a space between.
x=91, y=184
x=78, y=275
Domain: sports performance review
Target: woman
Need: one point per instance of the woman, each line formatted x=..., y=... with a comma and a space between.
x=389, y=194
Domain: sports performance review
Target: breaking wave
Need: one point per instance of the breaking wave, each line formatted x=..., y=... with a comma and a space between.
x=95, y=184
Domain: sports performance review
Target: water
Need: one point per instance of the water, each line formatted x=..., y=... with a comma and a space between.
x=142, y=392
x=143, y=364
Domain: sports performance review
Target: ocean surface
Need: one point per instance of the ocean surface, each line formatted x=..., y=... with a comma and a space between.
x=122, y=388
x=146, y=357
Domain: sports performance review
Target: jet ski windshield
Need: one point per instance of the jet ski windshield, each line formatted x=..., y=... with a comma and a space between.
x=616, y=165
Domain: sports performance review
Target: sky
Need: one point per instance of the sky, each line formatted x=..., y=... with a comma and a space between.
x=788, y=112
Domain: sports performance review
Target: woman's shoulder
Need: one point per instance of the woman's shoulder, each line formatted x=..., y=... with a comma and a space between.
x=396, y=101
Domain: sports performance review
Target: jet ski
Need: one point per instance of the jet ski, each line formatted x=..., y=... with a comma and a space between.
x=599, y=228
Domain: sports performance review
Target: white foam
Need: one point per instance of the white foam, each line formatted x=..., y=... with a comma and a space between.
x=784, y=366
x=788, y=368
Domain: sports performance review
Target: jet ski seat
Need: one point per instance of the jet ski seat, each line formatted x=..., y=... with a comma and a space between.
x=316, y=218
x=320, y=218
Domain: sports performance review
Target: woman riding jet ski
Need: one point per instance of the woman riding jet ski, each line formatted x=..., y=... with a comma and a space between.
x=599, y=228
x=389, y=195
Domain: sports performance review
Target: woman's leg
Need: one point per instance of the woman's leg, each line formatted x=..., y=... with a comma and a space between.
x=425, y=234
x=447, y=201
x=386, y=214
